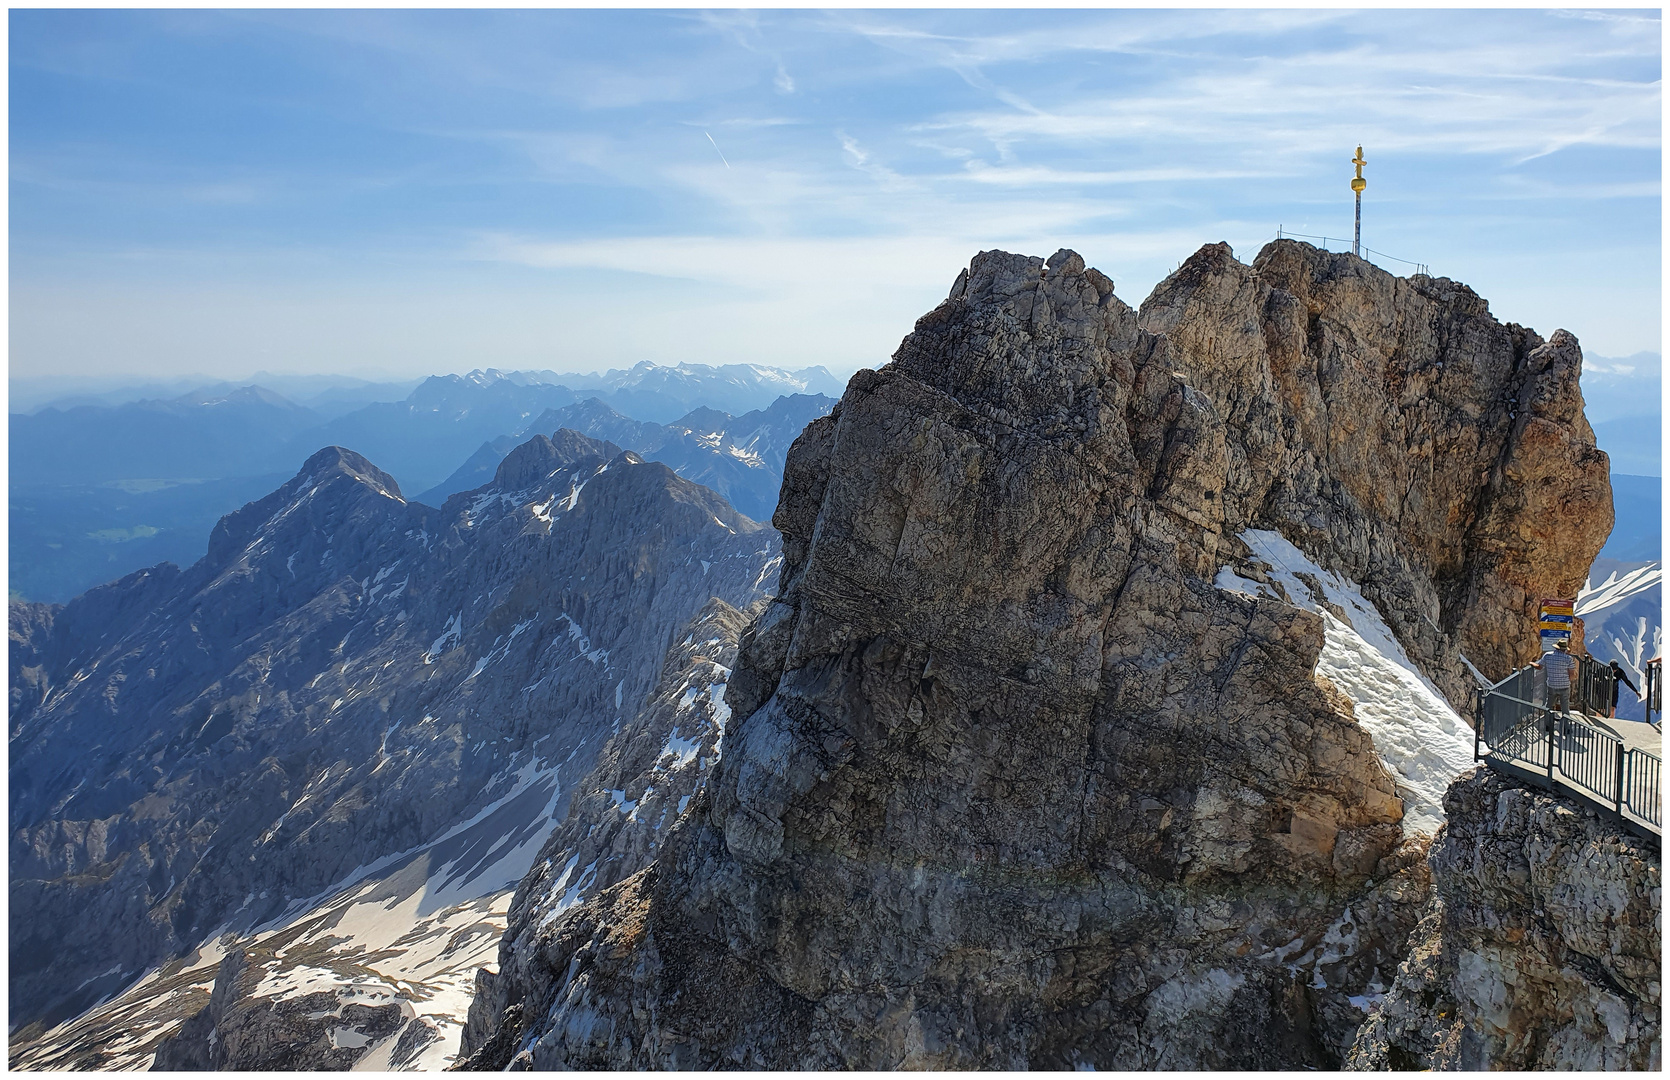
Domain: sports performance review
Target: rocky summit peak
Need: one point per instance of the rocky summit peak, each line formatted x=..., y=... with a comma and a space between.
x=539, y=457
x=1033, y=761
x=335, y=486
x=336, y=460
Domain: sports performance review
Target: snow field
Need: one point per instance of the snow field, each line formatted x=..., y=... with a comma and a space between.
x=1421, y=740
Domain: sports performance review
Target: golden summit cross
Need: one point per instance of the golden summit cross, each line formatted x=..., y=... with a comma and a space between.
x=1357, y=185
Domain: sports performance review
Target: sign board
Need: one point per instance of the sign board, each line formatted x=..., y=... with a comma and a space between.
x=1554, y=620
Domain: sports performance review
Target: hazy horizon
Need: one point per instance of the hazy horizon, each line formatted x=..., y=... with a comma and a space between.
x=1644, y=365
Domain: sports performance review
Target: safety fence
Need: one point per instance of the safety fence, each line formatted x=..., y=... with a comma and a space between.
x=1561, y=751
x=1345, y=245
x=1652, y=687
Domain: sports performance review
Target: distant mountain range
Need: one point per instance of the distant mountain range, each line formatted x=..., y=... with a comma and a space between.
x=1632, y=442
x=330, y=395
x=1622, y=399
x=741, y=457
x=1615, y=386
x=98, y=490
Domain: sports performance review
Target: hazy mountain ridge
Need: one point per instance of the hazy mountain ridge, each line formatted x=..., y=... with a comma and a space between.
x=100, y=490
x=194, y=436
x=325, y=394
x=741, y=457
x=1636, y=535
x=344, y=676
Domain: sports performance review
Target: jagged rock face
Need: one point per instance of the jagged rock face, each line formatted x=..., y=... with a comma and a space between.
x=646, y=775
x=242, y=1030
x=1437, y=457
x=1011, y=782
x=1541, y=947
x=322, y=990
x=345, y=676
x=645, y=780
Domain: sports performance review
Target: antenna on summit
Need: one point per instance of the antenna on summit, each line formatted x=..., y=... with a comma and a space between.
x=1357, y=185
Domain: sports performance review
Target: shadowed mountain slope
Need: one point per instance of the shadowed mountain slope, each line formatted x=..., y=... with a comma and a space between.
x=343, y=677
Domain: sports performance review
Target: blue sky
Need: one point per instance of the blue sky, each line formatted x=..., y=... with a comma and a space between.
x=413, y=192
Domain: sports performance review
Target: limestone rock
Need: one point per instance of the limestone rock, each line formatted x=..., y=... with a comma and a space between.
x=1540, y=949
x=1010, y=782
x=646, y=778
x=243, y=1030
x=1391, y=426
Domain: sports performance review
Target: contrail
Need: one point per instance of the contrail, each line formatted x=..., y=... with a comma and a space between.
x=721, y=153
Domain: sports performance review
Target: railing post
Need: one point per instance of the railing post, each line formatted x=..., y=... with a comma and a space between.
x=1549, y=722
x=1478, y=720
x=1621, y=775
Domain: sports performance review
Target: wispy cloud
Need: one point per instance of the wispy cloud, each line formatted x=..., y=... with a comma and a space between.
x=874, y=151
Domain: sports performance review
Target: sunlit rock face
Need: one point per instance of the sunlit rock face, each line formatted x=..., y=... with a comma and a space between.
x=1437, y=457
x=1011, y=781
x=1541, y=947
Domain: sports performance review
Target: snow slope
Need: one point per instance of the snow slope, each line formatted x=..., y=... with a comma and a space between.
x=1623, y=620
x=1420, y=738
x=411, y=928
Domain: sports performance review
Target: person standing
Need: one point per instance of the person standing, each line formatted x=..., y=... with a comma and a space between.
x=1558, y=666
x=1618, y=676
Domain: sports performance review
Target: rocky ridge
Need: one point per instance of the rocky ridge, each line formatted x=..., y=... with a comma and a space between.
x=1540, y=948
x=351, y=696
x=1010, y=781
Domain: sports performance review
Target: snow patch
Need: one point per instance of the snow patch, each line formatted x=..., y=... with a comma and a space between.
x=682, y=751
x=501, y=650
x=453, y=632
x=721, y=711
x=1420, y=738
x=574, y=490
x=578, y=635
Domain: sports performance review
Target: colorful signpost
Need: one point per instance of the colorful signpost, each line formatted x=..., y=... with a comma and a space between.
x=1554, y=621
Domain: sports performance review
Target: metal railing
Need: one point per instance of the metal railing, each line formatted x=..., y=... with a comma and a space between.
x=1282, y=233
x=1652, y=687
x=1560, y=751
x=1591, y=687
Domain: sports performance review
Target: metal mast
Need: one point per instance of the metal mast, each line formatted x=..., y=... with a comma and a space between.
x=1357, y=185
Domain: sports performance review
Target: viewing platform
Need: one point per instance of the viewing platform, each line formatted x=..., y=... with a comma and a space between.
x=1615, y=766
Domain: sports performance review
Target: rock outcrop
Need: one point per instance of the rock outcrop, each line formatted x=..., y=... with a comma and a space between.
x=1541, y=947
x=1010, y=782
x=1392, y=427
x=645, y=780
x=243, y=1029
x=350, y=691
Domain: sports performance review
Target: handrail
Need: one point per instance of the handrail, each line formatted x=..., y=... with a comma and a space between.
x=1560, y=751
x=1283, y=233
x=1652, y=687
